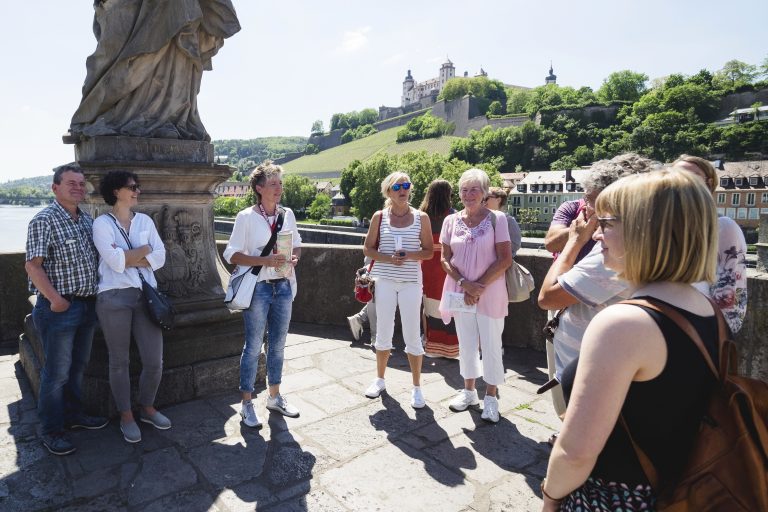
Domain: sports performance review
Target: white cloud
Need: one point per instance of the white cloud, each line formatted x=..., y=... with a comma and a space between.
x=393, y=60
x=354, y=40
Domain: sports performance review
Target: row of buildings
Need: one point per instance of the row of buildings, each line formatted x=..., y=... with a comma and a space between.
x=742, y=192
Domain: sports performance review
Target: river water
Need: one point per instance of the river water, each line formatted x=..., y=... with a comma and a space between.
x=13, y=226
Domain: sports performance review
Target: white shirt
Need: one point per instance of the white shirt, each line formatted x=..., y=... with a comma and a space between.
x=595, y=287
x=251, y=233
x=112, y=246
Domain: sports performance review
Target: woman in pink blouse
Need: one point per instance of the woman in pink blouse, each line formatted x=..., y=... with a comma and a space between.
x=730, y=287
x=475, y=256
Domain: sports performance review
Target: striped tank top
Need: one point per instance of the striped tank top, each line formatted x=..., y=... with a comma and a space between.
x=409, y=238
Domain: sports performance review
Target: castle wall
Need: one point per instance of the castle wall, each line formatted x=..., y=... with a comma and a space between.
x=326, y=140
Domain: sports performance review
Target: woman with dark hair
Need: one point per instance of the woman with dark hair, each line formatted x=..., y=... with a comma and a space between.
x=129, y=246
x=440, y=339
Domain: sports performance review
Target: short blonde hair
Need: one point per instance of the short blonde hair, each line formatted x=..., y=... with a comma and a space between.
x=706, y=167
x=500, y=193
x=261, y=174
x=476, y=176
x=390, y=180
x=670, y=226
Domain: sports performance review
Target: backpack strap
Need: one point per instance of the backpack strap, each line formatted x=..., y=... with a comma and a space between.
x=685, y=325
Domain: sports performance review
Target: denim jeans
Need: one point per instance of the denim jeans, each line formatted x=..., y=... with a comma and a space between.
x=66, y=338
x=270, y=308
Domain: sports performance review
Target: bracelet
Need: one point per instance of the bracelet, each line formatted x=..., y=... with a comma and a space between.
x=543, y=492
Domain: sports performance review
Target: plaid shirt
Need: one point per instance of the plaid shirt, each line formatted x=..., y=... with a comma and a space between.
x=66, y=246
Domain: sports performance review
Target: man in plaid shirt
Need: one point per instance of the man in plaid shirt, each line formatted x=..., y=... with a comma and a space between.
x=62, y=269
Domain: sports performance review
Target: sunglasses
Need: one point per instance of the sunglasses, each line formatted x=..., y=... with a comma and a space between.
x=133, y=187
x=603, y=221
x=397, y=186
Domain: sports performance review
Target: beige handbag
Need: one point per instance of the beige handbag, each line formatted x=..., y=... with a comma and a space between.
x=519, y=280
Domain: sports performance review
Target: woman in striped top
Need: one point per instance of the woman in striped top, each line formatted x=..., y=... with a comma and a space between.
x=398, y=239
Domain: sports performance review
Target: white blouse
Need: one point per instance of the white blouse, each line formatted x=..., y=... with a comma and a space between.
x=112, y=246
x=252, y=232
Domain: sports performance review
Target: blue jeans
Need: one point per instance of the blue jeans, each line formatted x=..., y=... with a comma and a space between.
x=270, y=308
x=66, y=338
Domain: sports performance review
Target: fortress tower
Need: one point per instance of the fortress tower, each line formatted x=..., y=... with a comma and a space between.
x=552, y=78
x=447, y=71
x=408, y=89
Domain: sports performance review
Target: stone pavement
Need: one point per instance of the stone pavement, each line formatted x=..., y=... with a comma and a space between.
x=344, y=453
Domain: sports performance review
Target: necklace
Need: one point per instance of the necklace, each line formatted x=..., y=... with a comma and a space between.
x=470, y=223
x=392, y=212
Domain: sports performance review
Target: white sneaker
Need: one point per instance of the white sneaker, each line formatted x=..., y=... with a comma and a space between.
x=417, y=398
x=249, y=416
x=464, y=399
x=355, y=326
x=281, y=405
x=375, y=389
x=490, y=409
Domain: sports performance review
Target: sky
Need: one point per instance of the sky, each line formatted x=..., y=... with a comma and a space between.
x=294, y=62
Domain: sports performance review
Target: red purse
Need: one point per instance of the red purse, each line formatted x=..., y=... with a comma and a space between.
x=364, y=285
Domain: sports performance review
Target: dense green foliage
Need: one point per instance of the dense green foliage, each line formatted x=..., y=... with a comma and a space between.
x=674, y=116
x=27, y=191
x=298, y=192
x=361, y=181
x=484, y=89
x=425, y=126
x=358, y=132
x=320, y=207
x=245, y=154
x=351, y=120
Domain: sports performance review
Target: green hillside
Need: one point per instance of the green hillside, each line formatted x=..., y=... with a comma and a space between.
x=336, y=159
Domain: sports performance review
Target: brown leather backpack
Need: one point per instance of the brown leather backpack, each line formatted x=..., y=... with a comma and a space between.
x=728, y=466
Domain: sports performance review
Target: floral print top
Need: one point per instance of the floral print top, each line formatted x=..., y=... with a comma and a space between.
x=729, y=290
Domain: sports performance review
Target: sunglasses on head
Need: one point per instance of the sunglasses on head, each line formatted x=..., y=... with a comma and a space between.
x=397, y=186
x=133, y=187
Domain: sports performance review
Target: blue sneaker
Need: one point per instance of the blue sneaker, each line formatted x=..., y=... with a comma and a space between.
x=58, y=443
x=85, y=421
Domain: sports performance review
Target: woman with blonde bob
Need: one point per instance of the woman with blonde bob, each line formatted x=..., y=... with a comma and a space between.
x=729, y=289
x=398, y=239
x=659, y=233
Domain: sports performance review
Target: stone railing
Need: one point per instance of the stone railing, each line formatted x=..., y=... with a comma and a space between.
x=325, y=277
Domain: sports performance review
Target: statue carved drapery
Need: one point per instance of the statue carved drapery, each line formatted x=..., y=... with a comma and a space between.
x=144, y=77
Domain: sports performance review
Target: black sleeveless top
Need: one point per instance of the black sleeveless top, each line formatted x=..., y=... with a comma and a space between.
x=663, y=413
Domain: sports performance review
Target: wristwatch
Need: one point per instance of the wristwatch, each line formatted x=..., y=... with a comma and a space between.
x=461, y=280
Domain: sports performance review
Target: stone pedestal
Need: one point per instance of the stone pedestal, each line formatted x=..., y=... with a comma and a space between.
x=762, y=244
x=178, y=178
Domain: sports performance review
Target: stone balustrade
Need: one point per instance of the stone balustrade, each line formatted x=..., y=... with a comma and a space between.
x=325, y=277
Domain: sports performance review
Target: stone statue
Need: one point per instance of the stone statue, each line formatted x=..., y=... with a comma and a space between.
x=145, y=74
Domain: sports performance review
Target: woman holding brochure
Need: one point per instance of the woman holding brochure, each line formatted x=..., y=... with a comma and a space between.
x=276, y=287
x=398, y=240
x=475, y=255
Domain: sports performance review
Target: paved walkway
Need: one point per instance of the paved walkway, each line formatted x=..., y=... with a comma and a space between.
x=344, y=453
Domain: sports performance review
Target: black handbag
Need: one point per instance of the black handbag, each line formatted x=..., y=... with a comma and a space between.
x=159, y=306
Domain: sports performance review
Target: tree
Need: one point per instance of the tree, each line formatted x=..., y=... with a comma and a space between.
x=298, y=192
x=623, y=85
x=735, y=73
x=317, y=127
x=527, y=216
x=495, y=108
x=517, y=99
x=320, y=207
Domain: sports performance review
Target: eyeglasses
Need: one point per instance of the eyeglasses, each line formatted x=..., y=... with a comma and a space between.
x=133, y=187
x=603, y=221
x=397, y=186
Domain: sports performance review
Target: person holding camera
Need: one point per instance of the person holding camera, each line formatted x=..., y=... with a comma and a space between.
x=399, y=238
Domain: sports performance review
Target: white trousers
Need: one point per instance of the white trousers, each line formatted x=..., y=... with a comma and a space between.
x=480, y=332
x=389, y=295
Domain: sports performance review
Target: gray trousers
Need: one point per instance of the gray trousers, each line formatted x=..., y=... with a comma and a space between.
x=122, y=313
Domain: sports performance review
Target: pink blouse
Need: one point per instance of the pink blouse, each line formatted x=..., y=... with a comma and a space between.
x=473, y=252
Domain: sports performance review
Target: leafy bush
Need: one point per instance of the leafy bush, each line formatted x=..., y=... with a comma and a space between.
x=426, y=126
x=320, y=207
x=360, y=132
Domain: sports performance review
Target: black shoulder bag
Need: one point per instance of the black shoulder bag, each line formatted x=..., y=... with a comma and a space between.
x=159, y=306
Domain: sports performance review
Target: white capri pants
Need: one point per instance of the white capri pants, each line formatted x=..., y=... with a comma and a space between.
x=473, y=329
x=389, y=295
